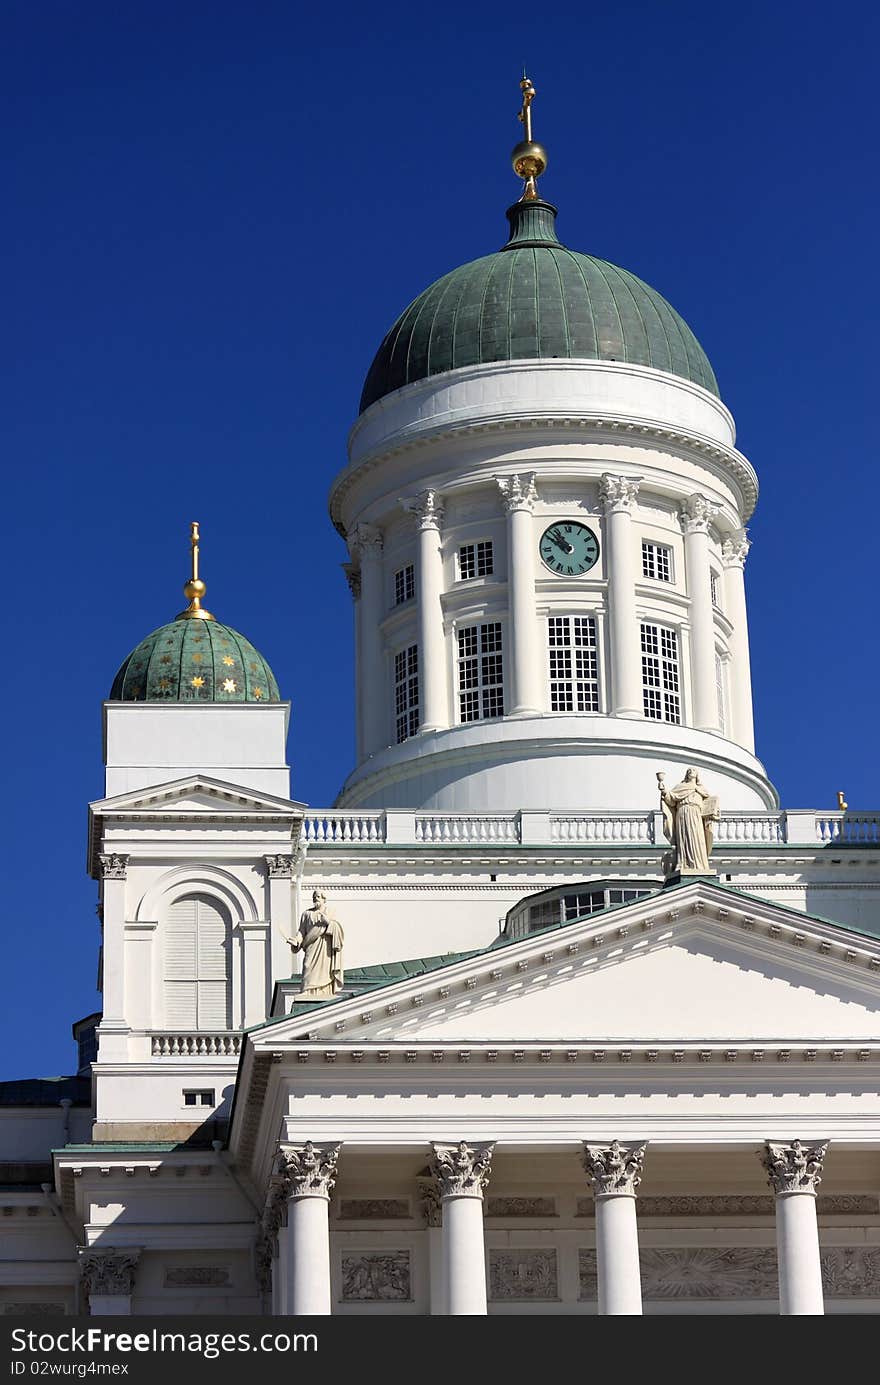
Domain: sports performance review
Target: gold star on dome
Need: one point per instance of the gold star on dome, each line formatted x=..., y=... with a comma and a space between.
x=197, y=658
x=230, y=663
x=258, y=693
x=229, y=685
x=164, y=684
x=166, y=659
x=197, y=682
x=135, y=692
x=254, y=668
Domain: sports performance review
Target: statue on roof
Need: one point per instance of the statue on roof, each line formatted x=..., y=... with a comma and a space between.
x=320, y=939
x=689, y=811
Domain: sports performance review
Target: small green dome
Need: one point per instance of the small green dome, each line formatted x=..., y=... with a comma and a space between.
x=195, y=661
x=535, y=299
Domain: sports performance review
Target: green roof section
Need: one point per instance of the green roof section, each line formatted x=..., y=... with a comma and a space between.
x=195, y=661
x=535, y=300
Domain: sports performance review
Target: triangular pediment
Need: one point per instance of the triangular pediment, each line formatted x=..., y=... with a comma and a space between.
x=195, y=794
x=694, y=965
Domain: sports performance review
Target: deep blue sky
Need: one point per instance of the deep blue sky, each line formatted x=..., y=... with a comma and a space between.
x=213, y=212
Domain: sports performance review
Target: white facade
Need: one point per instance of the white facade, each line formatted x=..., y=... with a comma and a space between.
x=619, y=1111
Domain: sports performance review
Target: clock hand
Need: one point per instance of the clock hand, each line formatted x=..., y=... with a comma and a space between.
x=563, y=543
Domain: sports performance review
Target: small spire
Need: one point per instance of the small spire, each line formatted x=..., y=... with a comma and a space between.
x=529, y=158
x=195, y=588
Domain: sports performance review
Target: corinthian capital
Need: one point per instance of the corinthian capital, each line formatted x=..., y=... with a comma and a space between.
x=365, y=541
x=794, y=1168
x=108, y=1271
x=696, y=514
x=114, y=866
x=279, y=867
x=461, y=1170
x=614, y=1168
x=735, y=548
x=619, y=493
x=518, y=492
x=427, y=508
x=309, y=1170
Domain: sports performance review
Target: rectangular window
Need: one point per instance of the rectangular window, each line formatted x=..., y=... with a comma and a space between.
x=480, y=672
x=202, y=1097
x=574, y=667
x=475, y=560
x=404, y=584
x=657, y=561
x=661, y=687
x=406, y=692
x=715, y=588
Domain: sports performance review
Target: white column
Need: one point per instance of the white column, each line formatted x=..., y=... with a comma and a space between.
x=433, y=680
x=462, y=1173
x=430, y=1198
x=527, y=660
x=114, y=1026
x=280, y=913
x=694, y=517
x=353, y=578
x=255, y=972
x=615, y=1172
x=734, y=551
x=619, y=495
x=794, y=1173
x=107, y=1278
x=310, y=1173
x=139, y=973
x=373, y=696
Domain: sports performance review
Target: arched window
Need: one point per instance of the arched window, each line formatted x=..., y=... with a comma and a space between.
x=197, y=965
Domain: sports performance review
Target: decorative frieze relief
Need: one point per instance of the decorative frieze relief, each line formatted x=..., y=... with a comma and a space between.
x=851, y=1271
x=619, y=493
x=521, y=1207
x=737, y=1272
x=34, y=1310
x=462, y=1170
x=309, y=1170
x=429, y=1197
x=108, y=1271
x=518, y=492
x=382, y=1277
x=427, y=508
x=795, y=1167
x=279, y=867
x=614, y=1169
x=374, y=1209
x=526, y=1275
x=113, y=866
x=696, y=514
x=197, y=1277
x=735, y=548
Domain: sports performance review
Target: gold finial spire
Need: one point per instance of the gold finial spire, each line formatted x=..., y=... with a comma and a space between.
x=195, y=588
x=841, y=801
x=529, y=158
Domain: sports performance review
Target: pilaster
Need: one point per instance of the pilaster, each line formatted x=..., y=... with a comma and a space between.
x=428, y=511
x=695, y=516
x=526, y=678
x=619, y=495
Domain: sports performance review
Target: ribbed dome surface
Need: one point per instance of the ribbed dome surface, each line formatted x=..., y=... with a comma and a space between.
x=535, y=299
x=195, y=661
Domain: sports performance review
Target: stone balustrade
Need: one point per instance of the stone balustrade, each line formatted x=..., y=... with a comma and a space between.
x=224, y=1045
x=329, y=827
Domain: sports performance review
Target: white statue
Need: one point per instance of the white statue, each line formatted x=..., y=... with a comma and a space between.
x=689, y=811
x=320, y=937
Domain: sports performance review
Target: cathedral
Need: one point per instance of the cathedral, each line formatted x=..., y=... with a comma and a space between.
x=557, y=1009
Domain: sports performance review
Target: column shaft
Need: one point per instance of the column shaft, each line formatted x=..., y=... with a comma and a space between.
x=617, y=1255
x=464, y=1256
x=373, y=691
x=619, y=496
x=527, y=678
x=695, y=517
x=307, y=1276
x=734, y=551
x=432, y=642
x=797, y=1250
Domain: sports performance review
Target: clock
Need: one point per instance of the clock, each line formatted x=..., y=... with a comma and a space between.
x=569, y=548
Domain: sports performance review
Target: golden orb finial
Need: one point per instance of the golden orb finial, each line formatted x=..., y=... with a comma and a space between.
x=529, y=158
x=194, y=589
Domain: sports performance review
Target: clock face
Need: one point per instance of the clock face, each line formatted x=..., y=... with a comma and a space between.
x=569, y=549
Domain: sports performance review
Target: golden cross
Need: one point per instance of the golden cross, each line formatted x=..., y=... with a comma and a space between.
x=194, y=544
x=525, y=115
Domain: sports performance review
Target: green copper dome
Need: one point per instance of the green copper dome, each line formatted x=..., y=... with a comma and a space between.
x=195, y=661
x=535, y=299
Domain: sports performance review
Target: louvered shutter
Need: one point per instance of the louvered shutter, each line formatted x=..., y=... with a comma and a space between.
x=181, y=965
x=213, y=961
x=197, y=965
